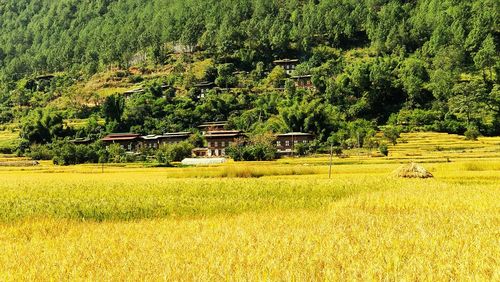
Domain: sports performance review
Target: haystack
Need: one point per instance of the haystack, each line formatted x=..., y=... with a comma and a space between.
x=412, y=170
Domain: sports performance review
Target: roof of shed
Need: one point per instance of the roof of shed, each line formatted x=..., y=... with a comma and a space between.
x=294, y=134
x=286, y=61
x=121, y=137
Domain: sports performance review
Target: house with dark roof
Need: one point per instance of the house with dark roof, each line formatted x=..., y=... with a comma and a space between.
x=128, y=141
x=285, y=143
x=129, y=93
x=203, y=88
x=155, y=141
x=218, y=141
x=141, y=90
x=288, y=65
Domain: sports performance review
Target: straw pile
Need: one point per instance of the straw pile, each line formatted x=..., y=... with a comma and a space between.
x=19, y=163
x=412, y=170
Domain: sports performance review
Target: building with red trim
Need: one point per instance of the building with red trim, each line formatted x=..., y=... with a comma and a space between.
x=128, y=141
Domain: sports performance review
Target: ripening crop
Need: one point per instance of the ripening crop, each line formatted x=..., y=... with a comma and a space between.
x=283, y=220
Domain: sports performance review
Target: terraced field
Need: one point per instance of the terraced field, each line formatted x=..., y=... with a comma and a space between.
x=436, y=146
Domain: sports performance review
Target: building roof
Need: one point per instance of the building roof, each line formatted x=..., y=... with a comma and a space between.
x=121, y=137
x=294, y=134
x=224, y=133
x=204, y=84
x=286, y=61
x=213, y=124
x=301, y=76
x=123, y=134
x=81, y=141
x=45, y=77
x=176, y=134
x=150, y=137
x=217, y=132
x=167, y=136
x=134, y=91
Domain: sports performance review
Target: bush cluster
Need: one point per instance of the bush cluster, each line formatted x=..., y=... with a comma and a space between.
x=259, y=148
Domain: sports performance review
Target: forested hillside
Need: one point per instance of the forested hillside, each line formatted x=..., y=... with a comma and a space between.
x=430, y=64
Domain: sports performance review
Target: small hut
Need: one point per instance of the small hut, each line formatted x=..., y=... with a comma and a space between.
x=412, y=170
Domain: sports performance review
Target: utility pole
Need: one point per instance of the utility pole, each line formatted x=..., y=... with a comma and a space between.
x=331, y=162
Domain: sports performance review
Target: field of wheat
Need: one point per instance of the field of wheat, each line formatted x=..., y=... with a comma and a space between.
x=283, y=220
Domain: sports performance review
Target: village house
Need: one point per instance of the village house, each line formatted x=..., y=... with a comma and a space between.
x=41, y=82
x=203, y=88
x=218, y=141
x=45, y=77
x=303, y=82
x=285, y=143
x=129, y=93
x=128, y=141
x=155, y=141
x=213, y=126
x=288, y=65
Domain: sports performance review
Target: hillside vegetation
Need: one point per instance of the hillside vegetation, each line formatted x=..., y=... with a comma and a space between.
x=425, y=65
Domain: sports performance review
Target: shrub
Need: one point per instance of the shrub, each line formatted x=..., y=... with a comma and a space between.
x=6, y=149
x=263, y=152
x=174, y=152
x=392, y=133
x=135, y=79
x=40, y=152
x=116, y=153
x=67, y=153
x=301, y=149
x=384, y=149
x=260, y=148
x=337, y=150
x=235, y=151
x=472, y=133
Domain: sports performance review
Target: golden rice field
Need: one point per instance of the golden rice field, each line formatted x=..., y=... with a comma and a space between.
x=8, y=138
x=273, y=221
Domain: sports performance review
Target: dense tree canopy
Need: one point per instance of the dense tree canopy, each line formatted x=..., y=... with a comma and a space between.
x=431, y=64
x=40, y=35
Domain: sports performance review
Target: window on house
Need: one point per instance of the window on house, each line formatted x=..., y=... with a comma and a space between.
x=305, y=141
x=278, y=143
x=216, y=144
x=287, y=143
x=223, y=144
